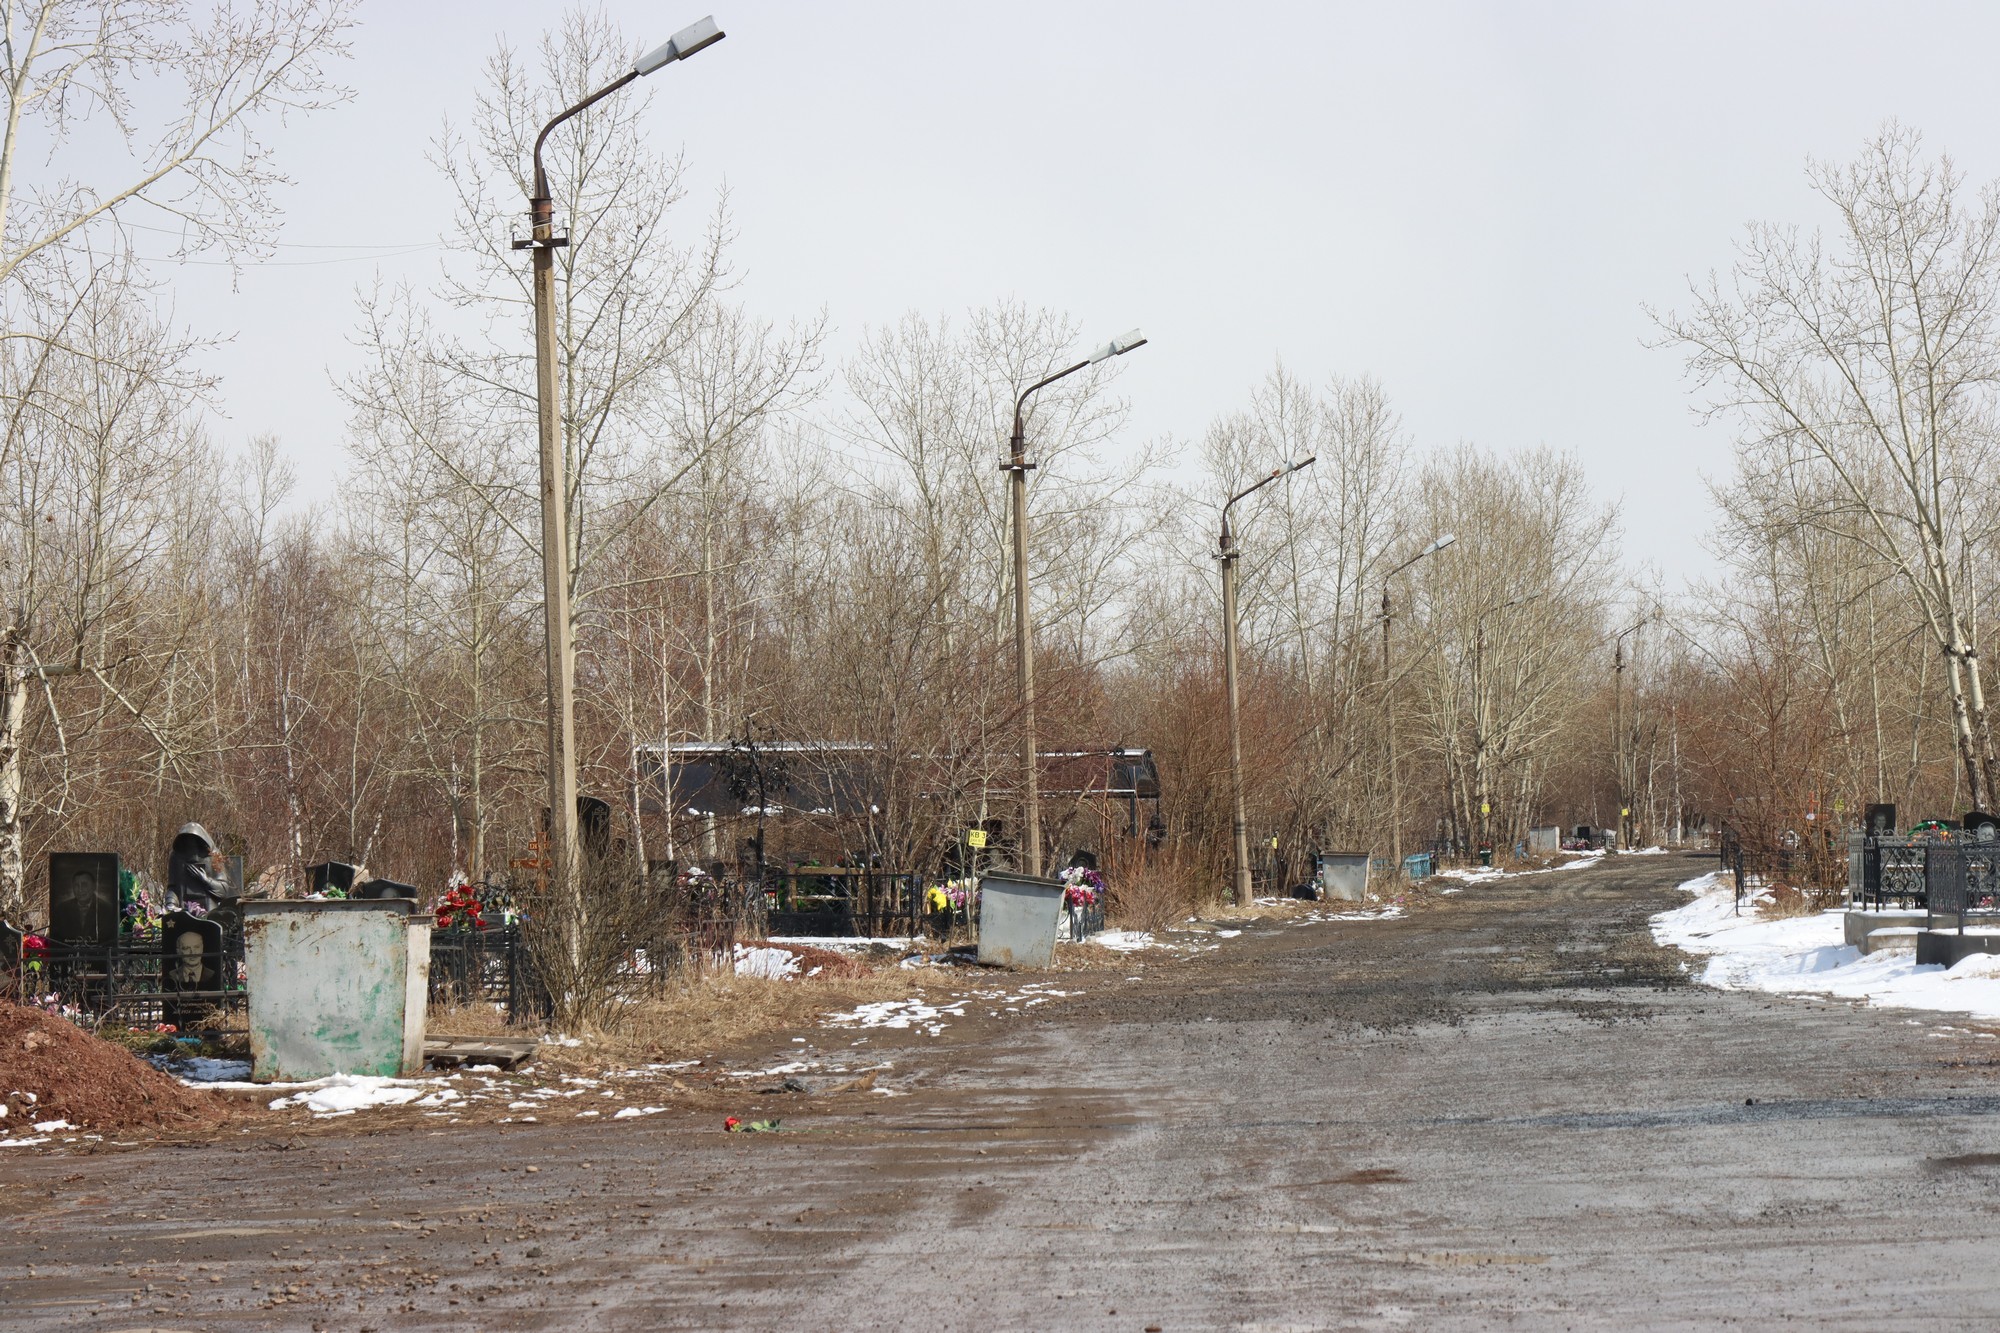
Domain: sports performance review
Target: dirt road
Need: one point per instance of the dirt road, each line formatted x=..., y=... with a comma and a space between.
x=1506, y=1111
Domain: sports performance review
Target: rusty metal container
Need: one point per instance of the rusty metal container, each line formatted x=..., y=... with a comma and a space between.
x=1018, y=918
x=336, y=988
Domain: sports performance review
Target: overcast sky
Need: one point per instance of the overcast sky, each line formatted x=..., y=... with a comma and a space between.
x=1472, y=202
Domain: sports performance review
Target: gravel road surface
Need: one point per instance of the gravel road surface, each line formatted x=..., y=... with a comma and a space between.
x=1506, y=1110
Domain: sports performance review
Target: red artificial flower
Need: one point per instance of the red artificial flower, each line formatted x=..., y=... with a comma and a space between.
x=729, y=1125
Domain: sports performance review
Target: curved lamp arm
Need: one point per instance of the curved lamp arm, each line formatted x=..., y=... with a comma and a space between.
x=1282, y=470
x=695, y=37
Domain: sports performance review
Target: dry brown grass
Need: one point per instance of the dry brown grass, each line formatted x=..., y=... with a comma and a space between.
x=1797, y=900
x=706, y=1016
x=478, y=1018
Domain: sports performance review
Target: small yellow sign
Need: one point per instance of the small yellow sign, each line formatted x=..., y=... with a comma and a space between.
x=1485, y=809
x=1274, y=842
x=1624, y=809
x=975, y=837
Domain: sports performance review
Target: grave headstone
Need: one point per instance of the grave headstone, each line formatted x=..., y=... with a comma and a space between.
x=83, y=897
x=328, y=876
x=194, y=961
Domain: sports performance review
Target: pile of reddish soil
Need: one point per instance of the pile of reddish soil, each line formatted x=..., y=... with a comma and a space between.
x=50, y=1069
x=829, y=963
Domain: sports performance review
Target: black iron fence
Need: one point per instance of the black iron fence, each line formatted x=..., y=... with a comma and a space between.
x=1950, y=879
x=141, y=979
x=845, y=901
x=492, y=966
x=1961, y=880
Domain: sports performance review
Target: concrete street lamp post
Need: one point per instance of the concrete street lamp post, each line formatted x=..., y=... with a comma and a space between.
x=543, y=242
x=1239, y=830
x=1017, y=468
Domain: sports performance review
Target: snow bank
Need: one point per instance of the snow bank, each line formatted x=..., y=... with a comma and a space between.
x=1808, y=955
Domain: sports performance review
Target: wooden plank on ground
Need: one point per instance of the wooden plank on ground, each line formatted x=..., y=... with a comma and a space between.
x=505, y=1052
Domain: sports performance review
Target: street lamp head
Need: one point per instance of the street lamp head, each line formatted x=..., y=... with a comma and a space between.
x=695, y=37
x=1117, y=347
x=1287, y=465
x=1440, y=543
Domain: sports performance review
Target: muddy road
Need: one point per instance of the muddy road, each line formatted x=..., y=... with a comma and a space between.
x=1508, y=1110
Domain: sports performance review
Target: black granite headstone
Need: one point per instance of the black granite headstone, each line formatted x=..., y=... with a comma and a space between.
x=329, y=875
x=83, y=897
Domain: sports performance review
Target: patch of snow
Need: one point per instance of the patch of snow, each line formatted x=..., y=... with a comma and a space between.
x=1123, y=941
x=1809, y=955
x=634, y=1112
x=771, y=964
x=789, y=1067
x=1388, y=913
x=899, y=1014
x=52, y=1126
x=21, y=1143
x=344, y=1094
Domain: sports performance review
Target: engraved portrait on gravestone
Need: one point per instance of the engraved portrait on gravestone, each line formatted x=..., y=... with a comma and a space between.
x=187, y=965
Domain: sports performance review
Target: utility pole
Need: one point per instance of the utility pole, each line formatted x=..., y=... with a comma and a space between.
x=557, y=630
x=1238, y=828
x=1620, y=759
x=1017, y=468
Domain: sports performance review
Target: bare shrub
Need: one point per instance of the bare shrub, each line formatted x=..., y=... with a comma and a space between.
x=1156, y=892
x=1798, y=900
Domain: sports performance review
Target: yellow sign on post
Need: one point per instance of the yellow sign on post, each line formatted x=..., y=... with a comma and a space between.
x=975, y=837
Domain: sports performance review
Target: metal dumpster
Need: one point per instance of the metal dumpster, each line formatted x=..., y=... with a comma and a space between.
x=336, y=988
x=1343, y=876
x=1018, y=915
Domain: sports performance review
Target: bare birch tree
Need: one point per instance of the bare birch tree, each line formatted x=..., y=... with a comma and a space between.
x=203, y=170
x=1868, y=362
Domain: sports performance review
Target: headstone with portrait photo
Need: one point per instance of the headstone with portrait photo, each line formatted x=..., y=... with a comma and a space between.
x=83, y=898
